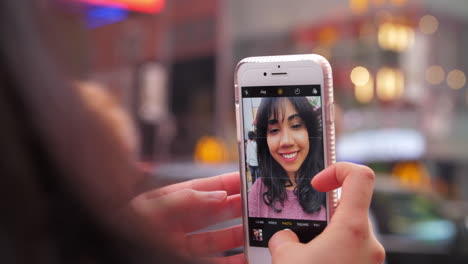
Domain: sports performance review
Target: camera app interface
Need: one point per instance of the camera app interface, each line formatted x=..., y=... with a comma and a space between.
x=284, y=150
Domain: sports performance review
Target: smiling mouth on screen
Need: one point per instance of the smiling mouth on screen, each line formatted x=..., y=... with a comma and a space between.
x=290, y=156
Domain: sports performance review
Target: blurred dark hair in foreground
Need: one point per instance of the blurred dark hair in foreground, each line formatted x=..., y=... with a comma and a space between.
x=65, y=179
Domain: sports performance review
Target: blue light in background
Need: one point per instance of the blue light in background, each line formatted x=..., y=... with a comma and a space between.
x=433, y=231
x=101, y=16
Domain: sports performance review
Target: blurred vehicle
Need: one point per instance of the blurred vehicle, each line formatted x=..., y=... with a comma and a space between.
x=417, y=227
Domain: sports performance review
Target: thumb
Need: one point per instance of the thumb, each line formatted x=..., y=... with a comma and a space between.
x=282, y=239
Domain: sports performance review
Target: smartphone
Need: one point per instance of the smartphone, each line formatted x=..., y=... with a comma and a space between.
x=285, y=132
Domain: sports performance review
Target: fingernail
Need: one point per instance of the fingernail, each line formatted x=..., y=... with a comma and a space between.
x=216, y=195
x=287, y=229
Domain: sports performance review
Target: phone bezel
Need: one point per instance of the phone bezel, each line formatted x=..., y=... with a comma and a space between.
x=299, y=71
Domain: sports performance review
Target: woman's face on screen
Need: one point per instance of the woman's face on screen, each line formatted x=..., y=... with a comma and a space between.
x=287, y=138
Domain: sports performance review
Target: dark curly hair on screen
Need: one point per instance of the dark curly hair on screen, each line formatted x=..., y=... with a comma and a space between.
x=273, y=175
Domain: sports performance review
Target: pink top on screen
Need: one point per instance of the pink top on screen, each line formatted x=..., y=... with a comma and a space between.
x=291, y=210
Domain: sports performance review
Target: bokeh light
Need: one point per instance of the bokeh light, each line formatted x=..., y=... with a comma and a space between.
x=428, y=24
x=395, y=37
x=435, y=75
x=210, y=150
x=390, y=84
x=360, y=76
x=364, y=93
x=456, y=79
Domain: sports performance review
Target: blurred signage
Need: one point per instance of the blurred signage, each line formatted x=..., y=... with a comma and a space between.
x=211, y=150
x=412, y=174
x=153, y=96
x=101, y=16
x=146, y=6
x=381, y=145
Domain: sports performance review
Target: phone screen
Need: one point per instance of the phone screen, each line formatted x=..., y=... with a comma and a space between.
x=284, y=150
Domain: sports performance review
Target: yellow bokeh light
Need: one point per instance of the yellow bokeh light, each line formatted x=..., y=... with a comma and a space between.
x=412, y=174
x=406, y=40
x=390, y=84
x=384, y=35
x=456, y=79
x=210, y=150
x=359, y=7
x=360, y=76
x=428, y=24
x=395, y=37
x=435, y=75
x=364, y=93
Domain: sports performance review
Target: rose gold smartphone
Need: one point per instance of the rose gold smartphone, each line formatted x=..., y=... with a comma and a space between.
x=285, y=133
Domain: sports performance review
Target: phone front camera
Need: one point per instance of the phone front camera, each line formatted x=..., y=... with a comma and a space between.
x=264, y=74
x=279, y=66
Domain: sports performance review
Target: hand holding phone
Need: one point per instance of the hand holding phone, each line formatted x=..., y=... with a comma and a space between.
x=348, y=238
x=177, y=211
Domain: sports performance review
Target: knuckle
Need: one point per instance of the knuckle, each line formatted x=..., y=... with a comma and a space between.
x=367, y=172
x=379, y=253
x=358, y=230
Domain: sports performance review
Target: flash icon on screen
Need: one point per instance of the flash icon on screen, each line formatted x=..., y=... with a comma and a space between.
x=280, y=91
x=314, y=91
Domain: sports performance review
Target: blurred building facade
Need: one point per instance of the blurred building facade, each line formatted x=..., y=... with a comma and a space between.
x=400, y=76
x=398, y=65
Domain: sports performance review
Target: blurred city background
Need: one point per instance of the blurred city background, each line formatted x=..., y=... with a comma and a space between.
x=400, y=77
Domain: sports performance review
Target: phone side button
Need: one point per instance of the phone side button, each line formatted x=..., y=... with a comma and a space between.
x=238, y=123
x=236, y=92
x=331, y=112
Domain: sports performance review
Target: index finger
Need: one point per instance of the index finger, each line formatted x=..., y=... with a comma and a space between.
x=357, y=182
x=229, y=182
